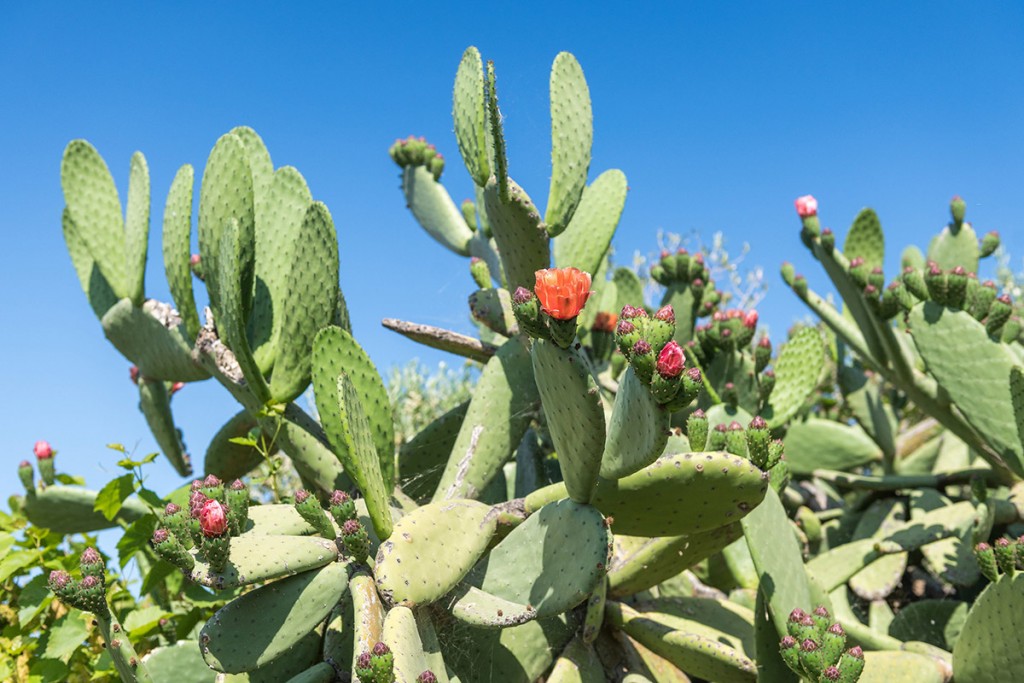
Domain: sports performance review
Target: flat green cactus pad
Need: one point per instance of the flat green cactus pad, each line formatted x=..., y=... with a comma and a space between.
x=470, y=116
x=304, y=654
x=572, y=134
x=155, y=404
x=575, y=414
x=951, y=559
x=136, y=228
x=434, y=209
x=988, y=649
x=881, y=576
x=864, y=398
x=160, y=349
x=413, y=654
x=955, y=247
x=937, y=622
x=177, y=247
x=70, y=510
x=279, y=519
x=255, y=557
x=95, y=285
x=797, y=369
x=866, y=240
x=640, y=563
x=267, y=622
x=95, y=209
x=637, y=431
x=694, y=647
x=826, y=444
x=411, y=571
x=510, y=655
x=975, y=371
x=503, y=404
x=229, y=460
x=905, y=667
x=585, y=242
x=678, y=494
x=368, y=627
x=493, y=308
x=525, y=570
x=519, y=233
x=178, y=663
x=421, y=460
x=578, y=663
x=303, y=439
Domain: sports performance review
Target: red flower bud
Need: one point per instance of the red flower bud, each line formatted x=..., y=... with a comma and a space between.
x=562, y=291
x=522, y=296
x=159, y=536
x=43, y=450
x=806, y=206
x=194, y=259
x=213, y=519
x=750, y=319
x=604, y=322
x=632, y=312
x=176, y=387
x=171, y=509
x=666, y=313
x=670, y=360
x=133, y=372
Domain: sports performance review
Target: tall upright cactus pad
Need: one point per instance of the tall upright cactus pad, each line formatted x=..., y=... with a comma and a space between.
x=226, y=195
x=306, y=305
x=410, y=571
x=988, y=649
x=575, y=414
x=470, y=115
x=240, y=637
x=866, y=240
x=955, y=246
x=94, y=208
x=798, y=369
x=572, y=134
x=155, y=403
x=547, y=565
x=519, y=233
x=503, y=404
x=637, y=430
x=97, y=288
x=434, y=209
x=177, y=248
x=345, y=420
x=585, y=240
x=334, y=352
x=975, y=370
x=158, y=346
x=136, y=228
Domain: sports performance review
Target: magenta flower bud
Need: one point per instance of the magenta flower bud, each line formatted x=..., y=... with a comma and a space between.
x=698, y=414
x=196, y=502
x=90, y=582
x=670, y=360
x=160, y=536
x=90, y=556
x=211, y=481
x=806, y=206
x=363, y=661
x=176, y=387
x=59, y=580
x=426, y=677
x=787, y=642
x=837, y=629
x=666, y=313
x=808, y=645
x=632, y=312
x=796, y=615
x=339, y=498
x=758, y=423
x=213, y=519
x=133, y=373
x=522, y=296
x=831, y=673
x=982, y=547
x=625, y=327
x=380, y=649
x=301, y=496
x=750, y=319
x=171, y=509
x=856, y=652
x=194, y=260
x=641, y=348
x=735, y=426
x=694, y=375
x=821, y=611
x=197, y=484
x=351, y=526
x=24, y=463
x=237, y=485
x=43, y=450
x=856, y=262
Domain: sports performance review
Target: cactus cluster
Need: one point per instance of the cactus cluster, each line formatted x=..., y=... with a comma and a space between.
x=633, y=492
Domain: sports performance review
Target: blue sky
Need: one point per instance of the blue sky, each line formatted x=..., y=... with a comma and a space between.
x=719, y=115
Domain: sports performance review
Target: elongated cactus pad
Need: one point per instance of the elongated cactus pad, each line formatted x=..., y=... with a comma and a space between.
x=585, y=241
x=824, y=444
x=637, y=431
x=470, y=116
x=70, y=510
x=572, y=134
x=157, y=345
x=798, y=368
x=256, y=557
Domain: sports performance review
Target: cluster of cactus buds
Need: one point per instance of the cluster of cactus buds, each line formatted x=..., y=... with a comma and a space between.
x=658, y=360
x=815, y=648
x=1003, y=556
x=353, y=535
x=551, y=310
x=87, y=593
x=377, y=665
x=215, y=514
x=416, y=151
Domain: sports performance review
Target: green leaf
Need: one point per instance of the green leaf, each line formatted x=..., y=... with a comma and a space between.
x=65, y=636
x=117, y=447
x=135, y=539
x=151, y=498
x=141, y=621
x=18, y=560
x=70, y=480
x=129, y=464
x=34, y=597
x=112, y=496
x=243, y=441
x=48, y=671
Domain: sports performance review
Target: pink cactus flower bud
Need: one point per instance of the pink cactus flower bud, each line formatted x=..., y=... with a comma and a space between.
x=380, y=649
x=522, y=296
x=90, y=582
x=764, y=343
x=666, y=313
x=59, y=580
x=670, y=361
x=856, y=262
x=301, y=496
x=665, y=253
x=363, y=661
x=194, y=260
x=23, y=464
x=476, y=259
x=831, y=673
x=750, y=320
x=808, y=645
x=632, y=312
x=237, y=485
x=806, y=206
x=196, y=501
x=197, y=484
x=133, y=373
x=982, y=547
x=211, y=481
x=698, y=414
x=90, y=556
x=213, y=519
x=176, y=387
x=694, y=375
x=758, y=423
x=681, y=250
x=43, y=450
x=797, y=615
x=856, y=652
x=339, y=498
x=625, y=327
x=787, y=642
x=836, y=629
x=171, y=509
x=426, y=677
x=641, y=347
x=351, y=526
x=160, y=536
x=735, y=426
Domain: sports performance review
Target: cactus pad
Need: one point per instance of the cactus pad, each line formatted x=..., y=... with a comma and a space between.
x=177, y=247
x=257, y=557
x=637, y=431
x=71, y=510
x=157, y=346
x=585, y=242
x=798, y=368
x=470, y=116
x=826, y=444
x=572, y=134
x=519, y=233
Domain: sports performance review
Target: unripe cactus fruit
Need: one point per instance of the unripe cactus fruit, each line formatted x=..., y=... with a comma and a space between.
x=60, y=583
x=957, y=209
x=27, y=475
x=363, y=670
x=382, y=663
x=998, y=313
x=527, y=311
x=758, y=439
x=343, y=508
x=355, y=539
x=237, y=498
x=170, y=549
x=1006, y=555
x=697, y=430
x=762, y=353
x=788, y=273
x=987, y=561
x=213, y=519
x=641, y=357
x=133, y=374
x=92, y=563
x=309, y=507
x=831, y=673
x=480, y=271
x=44, y=459
x=989, y=243
x=828, y=240
x=91, y=596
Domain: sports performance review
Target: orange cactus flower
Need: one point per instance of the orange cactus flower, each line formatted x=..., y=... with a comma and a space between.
x=605, y=322
x=562, y=291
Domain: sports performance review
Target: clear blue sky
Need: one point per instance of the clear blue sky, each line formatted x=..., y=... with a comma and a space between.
x=719, y=114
